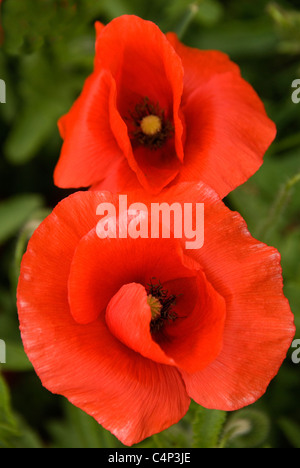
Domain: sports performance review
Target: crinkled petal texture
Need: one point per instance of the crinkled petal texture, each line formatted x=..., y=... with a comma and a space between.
x=128, y=394
x=142, y=65
x=259, y=324
x=214, y=126
x=228, y=131
x=92, y=335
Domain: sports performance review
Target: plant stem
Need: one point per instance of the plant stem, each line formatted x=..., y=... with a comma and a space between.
x=278, y=206
x=190, y=14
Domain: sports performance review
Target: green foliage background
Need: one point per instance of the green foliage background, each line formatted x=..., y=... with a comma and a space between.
x=47, y=52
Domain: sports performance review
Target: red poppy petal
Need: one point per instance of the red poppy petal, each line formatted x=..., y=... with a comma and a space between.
x=200, y=330
x=258, y=330
x=153, y=169
x=201, y=65
x=133, y=400
x=225, y=142
x=83, y=362
x=159, y=78
x=257, y=333
x=93, y=281
x=156, y=169
x=228, y=131
x=99, y=27
x=121, y=179
x=259, y=325
x=128, y=316
x=199, y=327
x=90, y=148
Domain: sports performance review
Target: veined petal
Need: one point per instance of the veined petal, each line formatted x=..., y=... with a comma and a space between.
x=227, y=128
x=259, y=325
x=82, y=362
x=68, y=270
x=128, y=316
x=145, y=68
x=201, y=313
x=93, y=282
x=90, y=149
x=228, y=133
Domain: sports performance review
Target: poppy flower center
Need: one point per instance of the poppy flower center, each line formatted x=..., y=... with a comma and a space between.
x=150, y=126
x=155, y=306
x=161, y=304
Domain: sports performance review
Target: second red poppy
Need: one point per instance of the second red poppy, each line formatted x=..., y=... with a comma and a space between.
x=155, y=112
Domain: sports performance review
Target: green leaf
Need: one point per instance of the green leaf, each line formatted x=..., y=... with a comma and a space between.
x=236, y=38
x=8, y=424
x=210, y=12
x=6, y=416
x=79, y=430
x=208, y=426
x=27, y=438
x=116, y=8
x=47, y=91
x=247, y=428
x=291, y=431
x=270, y=198
x=279, y=206
x=21, y=244
x=14, y=432
x=288, y=23
x=16, y=359
x=15, y=211
x=31, y=129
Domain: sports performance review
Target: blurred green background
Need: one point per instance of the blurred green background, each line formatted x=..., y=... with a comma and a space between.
x=46, y=52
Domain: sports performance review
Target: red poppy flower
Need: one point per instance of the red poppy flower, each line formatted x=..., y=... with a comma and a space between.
x=130, y=329
x=155, y=112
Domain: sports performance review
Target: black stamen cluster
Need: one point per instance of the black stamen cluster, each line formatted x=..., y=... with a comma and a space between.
x=142, y=110
x=167, y=301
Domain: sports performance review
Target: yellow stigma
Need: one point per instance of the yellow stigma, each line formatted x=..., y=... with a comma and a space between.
x=155, y=306
x=150, y=125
